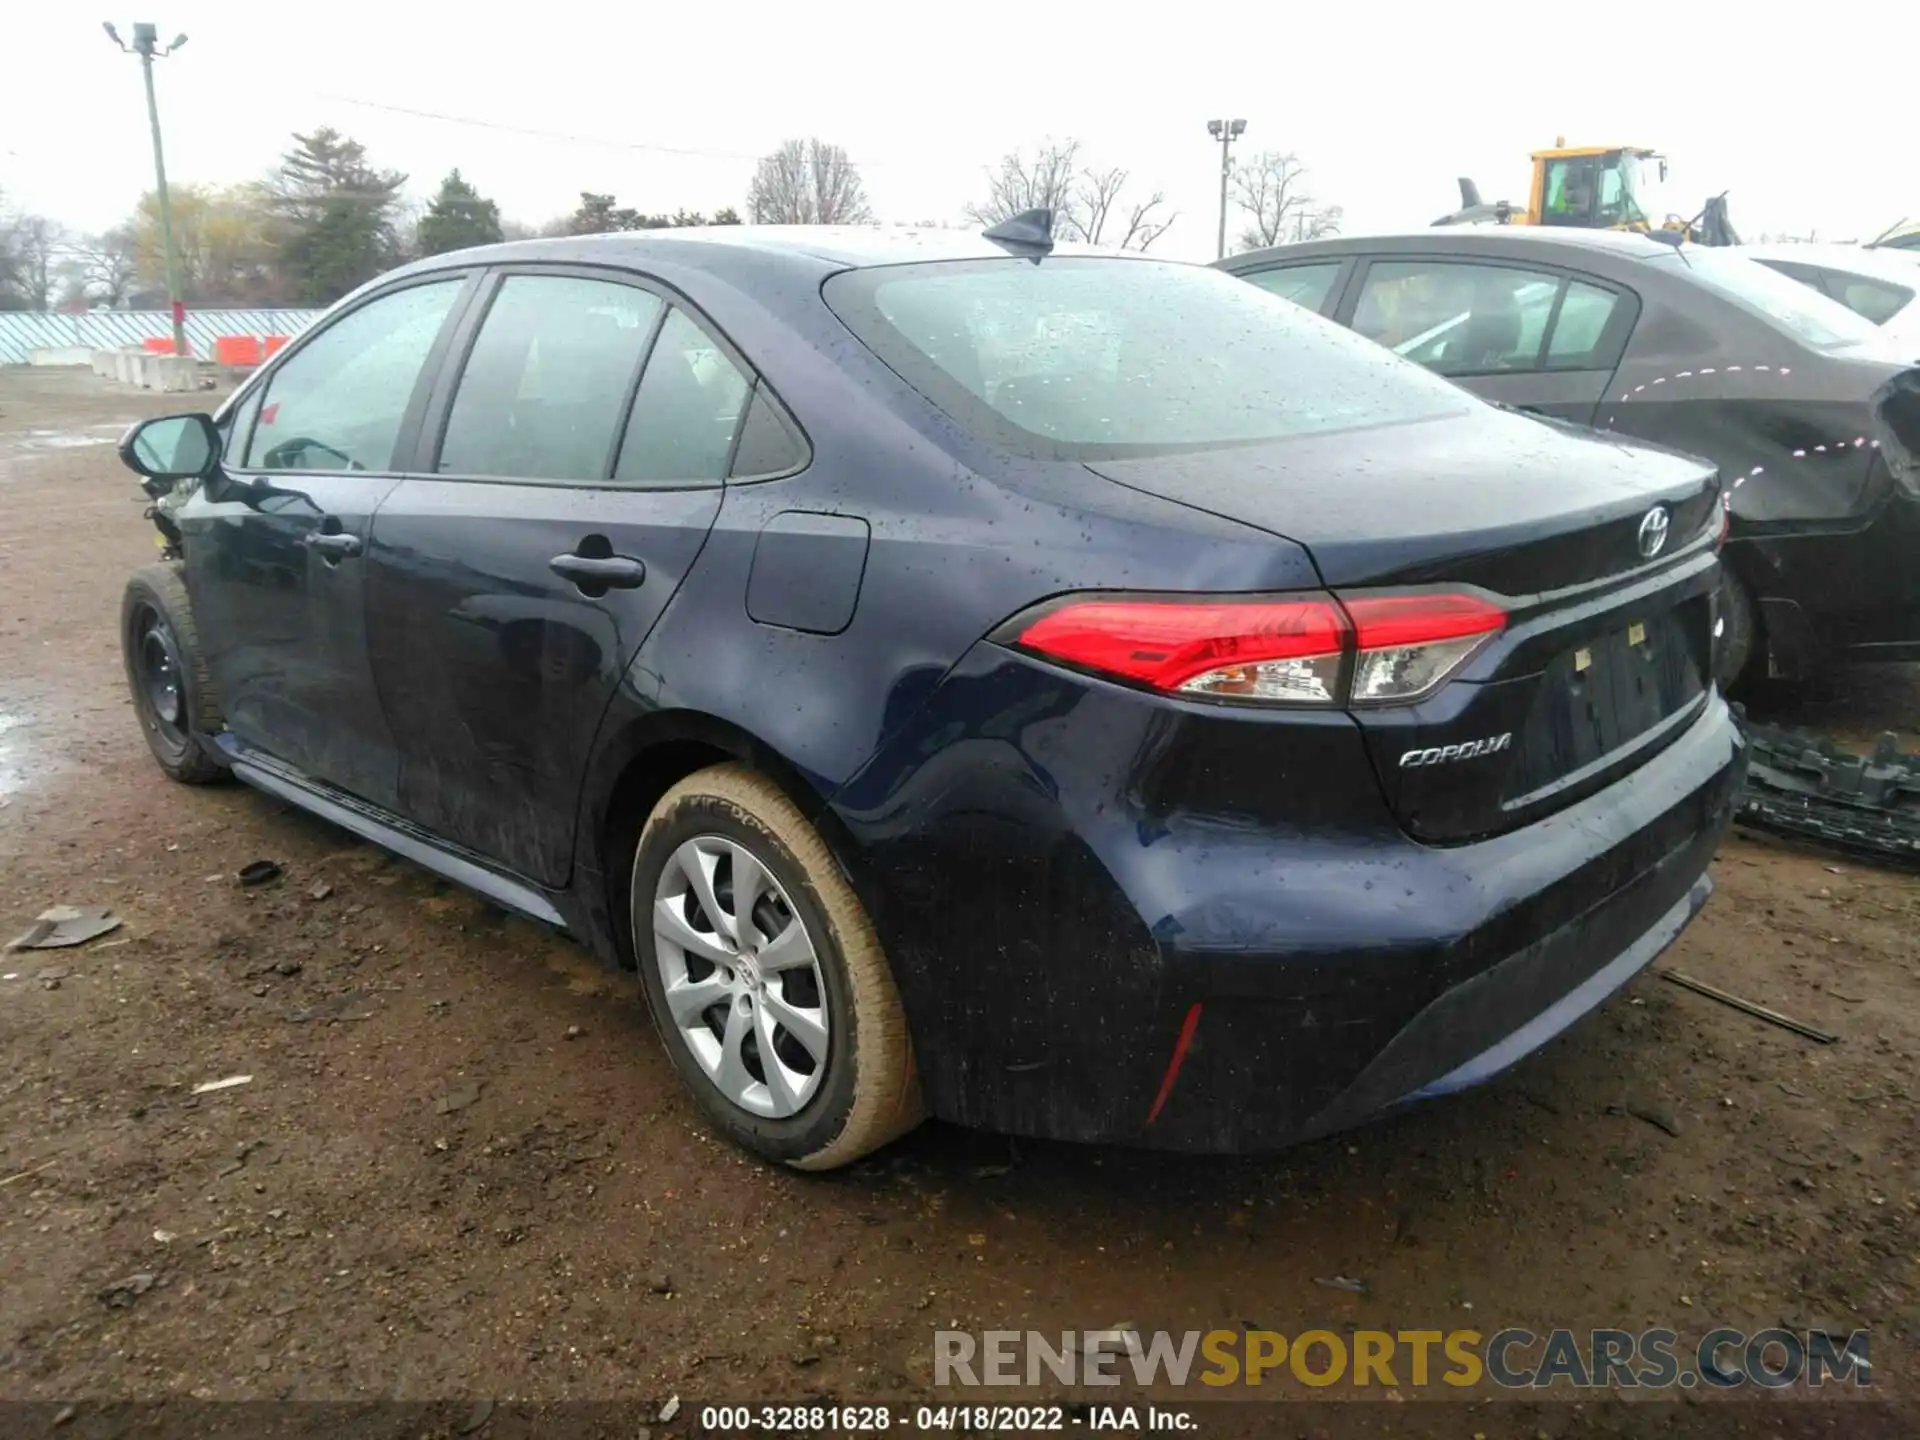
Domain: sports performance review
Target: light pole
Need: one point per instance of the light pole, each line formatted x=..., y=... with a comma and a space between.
x=146, y=46
x=1226, y=132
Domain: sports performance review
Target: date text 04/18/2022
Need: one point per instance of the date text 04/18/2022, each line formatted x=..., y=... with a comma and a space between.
x=962, y=1419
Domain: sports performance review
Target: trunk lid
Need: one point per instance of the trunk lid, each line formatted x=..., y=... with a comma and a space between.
x=1517, y=504
x=1607, y=649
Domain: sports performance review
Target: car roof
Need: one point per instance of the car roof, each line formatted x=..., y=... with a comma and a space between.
x=1900, y=267
x=819, y=247
x=1508, y=240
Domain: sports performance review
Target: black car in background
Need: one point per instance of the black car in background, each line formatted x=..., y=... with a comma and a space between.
x=1071, y=694
x=1812, y=415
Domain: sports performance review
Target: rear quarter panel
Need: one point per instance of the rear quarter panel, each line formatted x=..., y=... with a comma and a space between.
x=1785, y=424
x=961, y=537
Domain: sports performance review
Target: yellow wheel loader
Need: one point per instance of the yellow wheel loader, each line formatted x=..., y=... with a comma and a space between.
x=1596, y=187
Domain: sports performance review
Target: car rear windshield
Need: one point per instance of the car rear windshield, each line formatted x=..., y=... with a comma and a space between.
x=1804, y=312
x=1090, y=358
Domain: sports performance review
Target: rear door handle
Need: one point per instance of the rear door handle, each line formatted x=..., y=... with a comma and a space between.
x=334, y=547
x=602, y=572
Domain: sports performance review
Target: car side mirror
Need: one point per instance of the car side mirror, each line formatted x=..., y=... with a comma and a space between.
x=172, y=448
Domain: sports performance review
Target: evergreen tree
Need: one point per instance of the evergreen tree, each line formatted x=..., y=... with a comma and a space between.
x=597, y=215
x=456, y=218
x=334, y=215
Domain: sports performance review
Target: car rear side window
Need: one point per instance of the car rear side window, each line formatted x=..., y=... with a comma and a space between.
x=337, y=403
x=1457, y=318
x=687, y=411
x=1875, y=300
x=1800, y=310
x=768, y=444
x=1580, y=329
x=1083, y=358
x=544, y=386
x=1305, y=285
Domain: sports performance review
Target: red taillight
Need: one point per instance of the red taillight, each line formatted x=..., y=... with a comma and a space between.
x=1384, y=621
x=1254, y=649
x=1290, y=649
x=1409, y=644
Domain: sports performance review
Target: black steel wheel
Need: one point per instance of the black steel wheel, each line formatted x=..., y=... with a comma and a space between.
x=167, y=677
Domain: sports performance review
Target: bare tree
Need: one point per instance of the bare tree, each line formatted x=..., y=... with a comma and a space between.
x=1270, y=188
x=1047, y=181
x=1098, y=198
x=1087, y=204
x=109, y=266
x=9, y=257
x=37, y=247
x=807, y=182
x=98, y=270
x=1096, y=194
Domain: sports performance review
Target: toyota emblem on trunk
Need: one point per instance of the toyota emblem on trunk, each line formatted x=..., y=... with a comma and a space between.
x=1653, y=532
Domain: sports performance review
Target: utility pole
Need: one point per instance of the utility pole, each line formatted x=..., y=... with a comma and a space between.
x=146, y=46
x=1226, y=132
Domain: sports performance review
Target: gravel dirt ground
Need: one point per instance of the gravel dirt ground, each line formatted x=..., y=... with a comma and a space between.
x=462, y=1166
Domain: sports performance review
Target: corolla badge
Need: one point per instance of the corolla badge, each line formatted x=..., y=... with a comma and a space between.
x=1653, y=532
x=1447, y=754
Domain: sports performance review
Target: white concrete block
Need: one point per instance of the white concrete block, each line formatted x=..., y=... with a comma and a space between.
x=172, y=373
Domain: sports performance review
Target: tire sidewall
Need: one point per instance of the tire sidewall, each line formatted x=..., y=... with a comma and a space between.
x=821, y=1120
x=1736, y=649
x=143, y=594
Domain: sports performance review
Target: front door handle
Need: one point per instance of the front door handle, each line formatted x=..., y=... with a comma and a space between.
x=334, y=547
x=600, y=572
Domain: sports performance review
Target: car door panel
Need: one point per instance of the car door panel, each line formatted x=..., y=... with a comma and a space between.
x=505, y=608
x=285, y=627
x=494, y=668
x=275, y=551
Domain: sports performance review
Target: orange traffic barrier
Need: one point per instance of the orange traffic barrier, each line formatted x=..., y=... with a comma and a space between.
x=274, y=342
x=236, y=349
x=157, y=345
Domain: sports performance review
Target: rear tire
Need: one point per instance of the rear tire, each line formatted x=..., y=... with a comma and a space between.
x=1739, y=642
x=804, y=953
x=167, y=675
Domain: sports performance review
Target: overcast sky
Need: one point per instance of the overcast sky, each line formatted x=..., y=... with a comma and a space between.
x=1809, y=125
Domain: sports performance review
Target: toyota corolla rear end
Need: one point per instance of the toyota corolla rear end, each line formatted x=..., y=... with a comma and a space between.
x=1224, y=869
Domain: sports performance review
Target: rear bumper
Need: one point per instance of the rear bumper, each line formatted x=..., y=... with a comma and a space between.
x=1483, y=1025
x=1624, y=871
x=1056, y=931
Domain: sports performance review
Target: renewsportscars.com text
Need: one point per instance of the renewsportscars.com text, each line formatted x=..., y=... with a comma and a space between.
x=1512, y=1359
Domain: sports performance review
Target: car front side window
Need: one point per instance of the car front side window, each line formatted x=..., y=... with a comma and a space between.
x=236, y=427
x=338, y=402
x=1305, y=285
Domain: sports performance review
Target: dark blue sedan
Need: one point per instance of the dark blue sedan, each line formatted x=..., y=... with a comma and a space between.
x=1073, y=694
